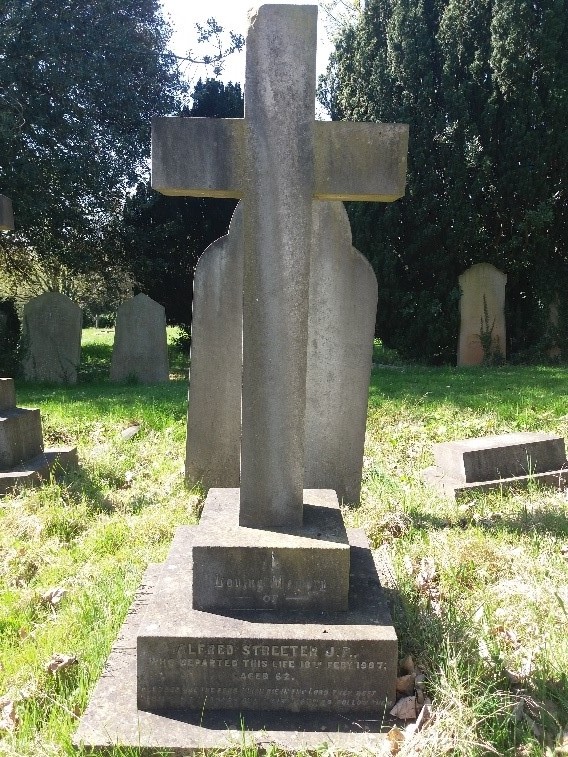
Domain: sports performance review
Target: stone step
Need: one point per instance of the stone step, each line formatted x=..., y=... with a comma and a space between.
x=21, y=436
x=503, y=456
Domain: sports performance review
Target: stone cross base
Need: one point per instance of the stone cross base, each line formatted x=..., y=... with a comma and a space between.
x=40, y=468
x=201, y=674
x=23, y=460
x=501, y=461
x=235, y=567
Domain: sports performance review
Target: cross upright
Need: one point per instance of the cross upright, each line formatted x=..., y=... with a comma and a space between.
x=277, y=159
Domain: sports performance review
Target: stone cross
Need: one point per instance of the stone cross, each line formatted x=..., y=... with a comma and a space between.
x=277, y=159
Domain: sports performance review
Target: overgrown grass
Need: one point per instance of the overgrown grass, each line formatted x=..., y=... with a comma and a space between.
x=489, y=626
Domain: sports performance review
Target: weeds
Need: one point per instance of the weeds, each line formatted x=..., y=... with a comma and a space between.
x=478, y=590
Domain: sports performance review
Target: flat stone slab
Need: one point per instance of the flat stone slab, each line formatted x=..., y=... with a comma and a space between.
x=452, y=487
x=236, y=567
x=504, y=456
x=113, y=719
x=36, y=470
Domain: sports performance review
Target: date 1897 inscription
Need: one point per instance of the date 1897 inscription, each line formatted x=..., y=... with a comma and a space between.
x=261, y=675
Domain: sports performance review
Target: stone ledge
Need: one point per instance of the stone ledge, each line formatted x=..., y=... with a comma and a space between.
x=39, y=468
x=454, y=488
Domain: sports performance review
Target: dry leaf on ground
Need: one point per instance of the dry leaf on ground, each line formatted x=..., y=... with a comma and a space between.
x=405, y=708
x=396, y=739
x=405, y=684
x=60, y=662
x=406, y=665
x=53, y=596
x=129, y=432
x=8, y=717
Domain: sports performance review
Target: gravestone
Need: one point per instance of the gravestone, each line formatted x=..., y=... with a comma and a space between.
x=341, y=321
x=51, y=335
x=482, y=311
x=497, y=462
x=6, y=214
x=23, y=459
x=140, y=349
x=269, y=611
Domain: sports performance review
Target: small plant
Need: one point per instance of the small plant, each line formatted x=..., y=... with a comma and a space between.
x=492, y=354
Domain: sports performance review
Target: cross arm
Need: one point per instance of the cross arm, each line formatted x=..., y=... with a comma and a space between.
x=198, y=157
x=360, y=161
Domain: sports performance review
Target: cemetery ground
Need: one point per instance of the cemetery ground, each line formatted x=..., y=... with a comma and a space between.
x=478, y=588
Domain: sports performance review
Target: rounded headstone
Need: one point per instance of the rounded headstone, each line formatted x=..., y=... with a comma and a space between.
x=482, y=310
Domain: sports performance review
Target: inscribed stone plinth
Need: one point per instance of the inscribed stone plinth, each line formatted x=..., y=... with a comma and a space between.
x=482, y=308
x=500, y=461
x=52, y=338
x=6, y=214
x=341, y=322
x=140, y=349
x=236, y=567
x=23, y=459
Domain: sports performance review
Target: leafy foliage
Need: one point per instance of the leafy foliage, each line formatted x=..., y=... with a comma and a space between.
x=161, y=238
x=78, y=82
x=484, y=87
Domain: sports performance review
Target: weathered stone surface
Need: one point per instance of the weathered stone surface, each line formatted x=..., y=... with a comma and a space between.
x=265, y=660
x=283, y=160
x=498, y=462
x=52, y=337
x=501, y=456
x=7, y=394
x=235, y=567
x=280, y=115
x=214, y=408
x=343, y=305
x=20, y=436
x=341, y=321
x=112, y=716
x=481, y=285
x=6, y=214
x=454, y=488
x=140, y=348
x=39, y=468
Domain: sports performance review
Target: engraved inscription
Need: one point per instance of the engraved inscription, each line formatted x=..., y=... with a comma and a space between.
x=271, y=588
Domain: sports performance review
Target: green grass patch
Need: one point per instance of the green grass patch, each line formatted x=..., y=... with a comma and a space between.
x=478, y=589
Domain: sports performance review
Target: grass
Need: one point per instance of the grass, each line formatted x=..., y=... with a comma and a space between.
x=478, y=589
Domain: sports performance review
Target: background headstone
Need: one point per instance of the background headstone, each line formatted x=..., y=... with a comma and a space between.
x=341, y=322
x=6, y=214
x=52, y=339
x=482, y=309
x=140, y=349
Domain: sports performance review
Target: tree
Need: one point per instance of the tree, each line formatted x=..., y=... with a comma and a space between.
x=78, y=82
x=160, y=239
x=484, y=89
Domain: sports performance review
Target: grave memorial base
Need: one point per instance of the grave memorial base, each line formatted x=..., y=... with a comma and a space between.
x=23, y=460
x=184, y=680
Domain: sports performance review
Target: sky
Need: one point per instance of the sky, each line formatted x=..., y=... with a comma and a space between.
x=231, y=15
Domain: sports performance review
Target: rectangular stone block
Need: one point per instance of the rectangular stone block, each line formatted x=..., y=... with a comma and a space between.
x=39, y=468
x=503, y=456
x=235, y=567
x=21, y=436
x=6, y=214
x=338, y=662
x=7, y=394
